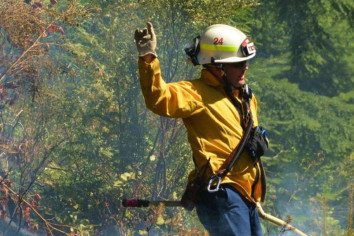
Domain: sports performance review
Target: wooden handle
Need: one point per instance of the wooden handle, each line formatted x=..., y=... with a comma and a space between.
x=277, y=221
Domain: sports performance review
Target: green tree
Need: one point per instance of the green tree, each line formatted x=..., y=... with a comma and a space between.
x=317, y=35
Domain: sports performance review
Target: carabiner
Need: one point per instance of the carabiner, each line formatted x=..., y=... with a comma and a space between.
x=211, y=181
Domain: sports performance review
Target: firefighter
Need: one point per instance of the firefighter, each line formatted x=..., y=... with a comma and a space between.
x=215, y=125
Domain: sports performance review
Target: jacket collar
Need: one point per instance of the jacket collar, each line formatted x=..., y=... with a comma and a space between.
x=210, y=79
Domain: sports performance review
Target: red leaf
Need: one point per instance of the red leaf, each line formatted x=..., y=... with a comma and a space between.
x=2, y=92
x=37, y=197
x=53, y=2
x=34, y=204
x=2, y=214
x=55, y=29
x=51, y=28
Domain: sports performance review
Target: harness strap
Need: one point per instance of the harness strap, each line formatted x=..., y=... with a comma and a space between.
x=247, y=124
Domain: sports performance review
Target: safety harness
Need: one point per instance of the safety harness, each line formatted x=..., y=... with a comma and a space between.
x=246, y=123
x=197, y=185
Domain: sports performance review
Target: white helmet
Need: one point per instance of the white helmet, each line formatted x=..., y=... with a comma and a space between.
x=221, y=44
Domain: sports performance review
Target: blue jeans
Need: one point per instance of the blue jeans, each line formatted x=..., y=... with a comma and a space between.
x=226, y=212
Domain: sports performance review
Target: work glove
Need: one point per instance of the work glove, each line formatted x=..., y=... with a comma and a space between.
x=145, y=40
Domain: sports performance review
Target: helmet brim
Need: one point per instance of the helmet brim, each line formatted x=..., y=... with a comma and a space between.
x=235, y=59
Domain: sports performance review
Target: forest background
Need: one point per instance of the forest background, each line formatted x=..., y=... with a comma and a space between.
x=76, y=138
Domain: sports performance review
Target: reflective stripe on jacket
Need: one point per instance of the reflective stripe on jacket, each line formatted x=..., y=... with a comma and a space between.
x=212, y=122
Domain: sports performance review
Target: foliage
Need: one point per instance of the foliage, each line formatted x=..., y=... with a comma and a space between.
x=308, y=163
x=75, y=130
x=316, y=33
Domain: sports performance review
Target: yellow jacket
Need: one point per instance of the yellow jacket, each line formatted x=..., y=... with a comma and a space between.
x=212, y=122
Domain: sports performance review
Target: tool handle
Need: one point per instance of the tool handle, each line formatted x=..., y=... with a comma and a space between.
x=135, y=203
x=146, y=203
x=278, y=221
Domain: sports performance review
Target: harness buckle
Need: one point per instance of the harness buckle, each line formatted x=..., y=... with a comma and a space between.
x=213, y=180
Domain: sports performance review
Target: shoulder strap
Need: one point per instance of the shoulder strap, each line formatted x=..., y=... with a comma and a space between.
x=247, y=124
x=235, y=154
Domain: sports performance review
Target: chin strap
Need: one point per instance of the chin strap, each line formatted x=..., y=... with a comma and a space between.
x=227, y=86
x=245, y=92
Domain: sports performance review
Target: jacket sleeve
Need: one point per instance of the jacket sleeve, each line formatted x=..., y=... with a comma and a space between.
x=178, y=100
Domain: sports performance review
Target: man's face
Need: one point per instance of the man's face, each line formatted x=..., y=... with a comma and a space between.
x=235, y=73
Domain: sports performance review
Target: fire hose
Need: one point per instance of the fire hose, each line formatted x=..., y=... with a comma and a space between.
x=262, y=214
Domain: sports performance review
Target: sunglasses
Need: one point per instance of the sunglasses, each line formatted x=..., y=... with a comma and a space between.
x=239, y=65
